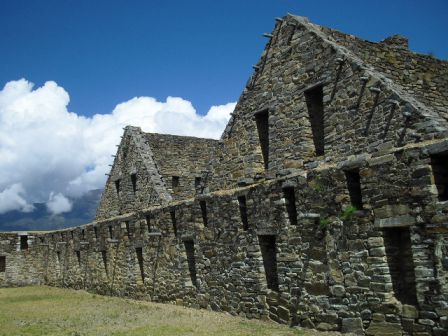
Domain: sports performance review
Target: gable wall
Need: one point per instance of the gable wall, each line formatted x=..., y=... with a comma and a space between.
x=149, y=183
x=363, y=113
x=185, y=157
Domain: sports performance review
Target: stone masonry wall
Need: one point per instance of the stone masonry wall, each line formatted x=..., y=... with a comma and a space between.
x=364, y=111
x=184, y=157
x=145, y=166
x=331, y=264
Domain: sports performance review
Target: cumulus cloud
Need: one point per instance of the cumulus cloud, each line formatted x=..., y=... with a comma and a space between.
x=49, y=154
x=12, y=198
x=58, y=203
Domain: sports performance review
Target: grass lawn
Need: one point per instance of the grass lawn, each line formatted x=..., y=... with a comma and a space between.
x=56, y=311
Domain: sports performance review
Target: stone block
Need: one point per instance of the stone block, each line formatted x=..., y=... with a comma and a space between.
x=323, y=326
x=384, y=329
x=283, y=313
x=352, y=325
x=377, y=252
x=399, y=221
x=338, y=290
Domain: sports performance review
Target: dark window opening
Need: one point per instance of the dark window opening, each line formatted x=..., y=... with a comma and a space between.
x=62, y=236
x=95, y=230
x=58, y=255
x=148, y=222
x=269, y=254
x=83, y=234
x=134, y=182
x=262, y=120
x=139, y=252
x=111, y=232
x=175, y=182
x=197, y=183
x=354, y=187
x=24, y=242
x=290, y=202
x=104, y=257
x=315, y=104
x=189, y=248
x=2, y=264
x=397, y=242
x=72, y=234
x=439, y=164
x=174, y=221
x=203, y=205
x=78, y=256
x=128, y=229
x=243, y=212
x=117, y=187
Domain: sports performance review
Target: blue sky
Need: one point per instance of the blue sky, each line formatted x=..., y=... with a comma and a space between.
x=166, y=66
x=106, y=52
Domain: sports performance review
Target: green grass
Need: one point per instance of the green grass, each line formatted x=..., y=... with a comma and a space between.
x=30, y=311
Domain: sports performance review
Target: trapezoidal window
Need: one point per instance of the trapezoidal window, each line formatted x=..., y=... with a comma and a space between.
x=174, y=221
x=2, y=264
x=439, y=164
x=290, y=203
x=95, y=230
x=104, y=257
x=262, y=120
x=117, y=187
x=24, y=242
x=175, y=182
x=354, y=187
x=111, y=232
x=397, y=242
x=315, y=104
x=128, y=229
x=243, y=212
x=189, y=249
x=203, y=205
x=134, y=182
x=148, y=222
x=78, y=257
x=197, y=182
x=269, y=254
x=139, y=252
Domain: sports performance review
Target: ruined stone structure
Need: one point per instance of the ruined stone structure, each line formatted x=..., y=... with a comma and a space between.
x=324, y=204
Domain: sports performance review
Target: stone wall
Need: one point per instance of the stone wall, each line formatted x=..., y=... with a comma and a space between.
x=21, y=259
x=145, y=169
x=184, y=157
x=364, y=111
x=332, y=267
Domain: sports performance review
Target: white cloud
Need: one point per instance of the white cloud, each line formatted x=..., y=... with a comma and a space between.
x=12, y=198
x=58, y=203
x=49, y=153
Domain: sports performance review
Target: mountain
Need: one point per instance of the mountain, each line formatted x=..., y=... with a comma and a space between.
x=83, y=212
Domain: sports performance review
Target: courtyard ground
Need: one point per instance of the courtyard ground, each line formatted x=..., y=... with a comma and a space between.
x=55, y=311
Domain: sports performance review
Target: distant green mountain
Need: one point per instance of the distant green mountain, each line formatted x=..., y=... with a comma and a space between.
x=83, y=212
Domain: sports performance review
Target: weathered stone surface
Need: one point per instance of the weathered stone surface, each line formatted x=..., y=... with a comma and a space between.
x=384, y=329
x=409, y=312
x=352, y=325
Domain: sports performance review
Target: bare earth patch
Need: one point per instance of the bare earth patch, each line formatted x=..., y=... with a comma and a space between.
x=55, y=311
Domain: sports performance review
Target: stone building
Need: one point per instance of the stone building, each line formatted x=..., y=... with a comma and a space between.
x=324, y=204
